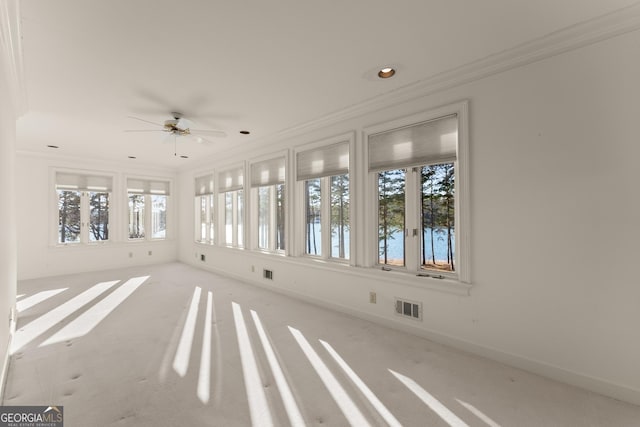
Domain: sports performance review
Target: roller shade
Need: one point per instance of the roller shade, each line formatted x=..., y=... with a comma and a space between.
x=204, y=185
x=230, y=180
x=267, y=172
x=80, y=182
x=147, y=186
x=430, y=142
x=325, y=161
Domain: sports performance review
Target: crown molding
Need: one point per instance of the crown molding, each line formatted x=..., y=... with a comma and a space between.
x=589, y=32
x=583, y=34
x=11, y=54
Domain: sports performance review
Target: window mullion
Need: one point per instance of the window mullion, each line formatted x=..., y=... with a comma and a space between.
x=325, y=215
x=212, y=220
x=84, y=217
x=273, y=229
x=412, y=219
x=234, y=219
x=148, y=208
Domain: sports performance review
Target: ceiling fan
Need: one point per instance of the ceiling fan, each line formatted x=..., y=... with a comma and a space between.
x=179, y=126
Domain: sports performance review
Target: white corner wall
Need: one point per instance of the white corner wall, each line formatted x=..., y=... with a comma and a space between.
x=8, y=264
x=39, y=256
x=555, y=207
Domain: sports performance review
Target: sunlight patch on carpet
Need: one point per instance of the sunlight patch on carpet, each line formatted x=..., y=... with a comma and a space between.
x=290, y=405
x=433, y=403
x=34, y=329
x=204, y=376
x=181, y=360
x=258, y=406
x=340, y=396
x=364, y=389
x=29, y=302
x=478, y=413
x=88, y=320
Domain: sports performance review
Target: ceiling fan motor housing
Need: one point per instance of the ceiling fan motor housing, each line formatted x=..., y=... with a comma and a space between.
x=172, y=126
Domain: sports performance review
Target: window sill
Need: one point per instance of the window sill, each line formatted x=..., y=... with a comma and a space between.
x=404, y=278
x=428, y=280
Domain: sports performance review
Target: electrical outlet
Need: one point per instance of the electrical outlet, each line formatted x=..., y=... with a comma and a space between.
x=372, y=297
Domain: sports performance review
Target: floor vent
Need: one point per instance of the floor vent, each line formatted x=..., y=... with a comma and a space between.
x=410, y=309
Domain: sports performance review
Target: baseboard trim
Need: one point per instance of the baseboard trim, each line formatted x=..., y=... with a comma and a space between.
x=7, y=359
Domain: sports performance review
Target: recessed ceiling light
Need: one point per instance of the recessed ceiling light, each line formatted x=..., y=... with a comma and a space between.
x=52, y=146
x=132, y=157
x=386, y=72
x=245, y=132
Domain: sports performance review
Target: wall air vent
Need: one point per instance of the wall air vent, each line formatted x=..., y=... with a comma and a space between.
x=411, y=309
x=267, y=274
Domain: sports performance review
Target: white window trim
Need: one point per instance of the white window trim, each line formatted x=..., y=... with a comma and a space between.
x=148, y=211
x=299, y=219
x=251, y=196
x=53, y=203
x=462, y=194
x=221, y=208
x=212, y=214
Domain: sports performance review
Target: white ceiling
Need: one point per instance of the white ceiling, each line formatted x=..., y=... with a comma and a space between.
x=262, y=66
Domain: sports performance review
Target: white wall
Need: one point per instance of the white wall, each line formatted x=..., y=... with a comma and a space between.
x=7, y=212
x=39, y=256
x=7, y=221
x=554, y=234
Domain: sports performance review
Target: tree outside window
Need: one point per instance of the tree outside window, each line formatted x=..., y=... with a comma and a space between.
x=83, y=207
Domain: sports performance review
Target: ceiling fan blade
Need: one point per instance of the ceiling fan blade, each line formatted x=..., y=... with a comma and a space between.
x=212, y=132
x=143, y=120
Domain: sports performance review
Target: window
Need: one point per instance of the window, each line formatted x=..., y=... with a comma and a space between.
x=324, y=177
x=230, y=187
x=204, y=202
x=268, y=189
x=147, y=208
x=416, y=170
x=83, y=207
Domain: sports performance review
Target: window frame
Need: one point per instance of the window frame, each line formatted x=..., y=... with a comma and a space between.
x=254, y=204
x=85, y=207
x=209, y=197
x=239, y=209
x=325, y=191
x=148, y=207
x=461, y=195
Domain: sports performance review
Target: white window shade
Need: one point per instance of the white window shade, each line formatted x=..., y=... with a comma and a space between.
x=268, y=172
x=326, y=161
x=79, y=182
x=230, y=180
x=204, y=185
x=435, y=141
x=147, y=186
